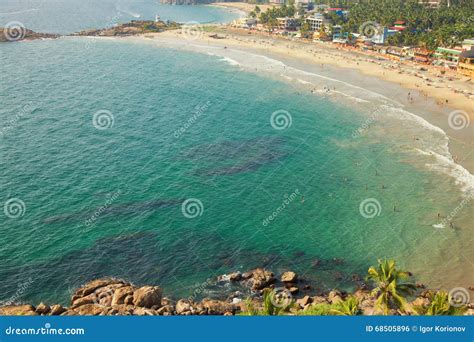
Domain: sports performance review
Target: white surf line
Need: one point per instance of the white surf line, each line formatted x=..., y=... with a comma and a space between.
x=282, y=64
x=19, y=12
x=463, y=175
x=316, y=75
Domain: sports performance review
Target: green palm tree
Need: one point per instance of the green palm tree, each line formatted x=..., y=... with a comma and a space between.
x=348, y=307
x=440, y=305
x=274, y=304
x=391, y=285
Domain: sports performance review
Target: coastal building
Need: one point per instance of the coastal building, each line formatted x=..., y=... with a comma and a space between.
x=287, y=24
x=304, y=4
x=398, y=26
x=277, y=2
x=245, y=23
x=381, y=35
x=337, y=34
x=420, y=55
x=320, y=8
x=468, y=44
x=430, y=3
x=338, y=10
x=448, y=57
x=466, y=62
x=318, y=21
x=395, y=52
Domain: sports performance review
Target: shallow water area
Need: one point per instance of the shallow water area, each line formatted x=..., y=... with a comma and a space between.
x=105, y=198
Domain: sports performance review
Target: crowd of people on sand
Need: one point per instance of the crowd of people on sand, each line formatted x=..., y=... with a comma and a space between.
x=403, y=67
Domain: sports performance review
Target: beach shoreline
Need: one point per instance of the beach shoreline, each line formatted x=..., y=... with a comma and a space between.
x=243, y=7
x=433, y=102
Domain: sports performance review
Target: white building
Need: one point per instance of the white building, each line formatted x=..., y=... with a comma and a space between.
x=303, y=3
x=430, y=3
x=287, y=24
x=317, y=21
x=277, y=2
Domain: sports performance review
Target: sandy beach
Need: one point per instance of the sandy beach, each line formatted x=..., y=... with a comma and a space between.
x=421, y=89
x=416, y=103
x=242, y=6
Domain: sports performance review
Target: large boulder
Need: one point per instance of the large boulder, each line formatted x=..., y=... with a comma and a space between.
x=43, y=309
x=122, y=310
x=334, y=297
x=217, y=307
x=92, y=286
x=89, y=299
x=123, y=293
x=92, y=310
x=17, y=310
x=57, y=310
x=302, y=302
x=319, y=300
x=140, y=311
x=147, y=296
x=261, y=278
x=289, y=277
x=182, y=306
x=235, y=276
x=165, y=310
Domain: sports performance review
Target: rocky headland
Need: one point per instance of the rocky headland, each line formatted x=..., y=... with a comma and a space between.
x=287, y=293
x=18, y=33
x=135, y=27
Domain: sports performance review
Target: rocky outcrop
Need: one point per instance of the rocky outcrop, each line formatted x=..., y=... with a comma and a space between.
x=18, y=310
x=289, y=277
x=42, y=309
x=98, y=297
x=147, y=297
x=109, y=296
x=258, y=279
x=18, y=33
x=134, y=27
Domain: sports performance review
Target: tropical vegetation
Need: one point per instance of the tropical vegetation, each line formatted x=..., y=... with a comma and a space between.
x=445, y=26
x=440, y=305
x=391, y=288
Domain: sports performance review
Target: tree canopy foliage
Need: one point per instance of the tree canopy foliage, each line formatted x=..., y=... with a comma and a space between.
x=429, y=27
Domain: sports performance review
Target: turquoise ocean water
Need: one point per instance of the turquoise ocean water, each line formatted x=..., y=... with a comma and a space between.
x=103, y=143
x=67, y=16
